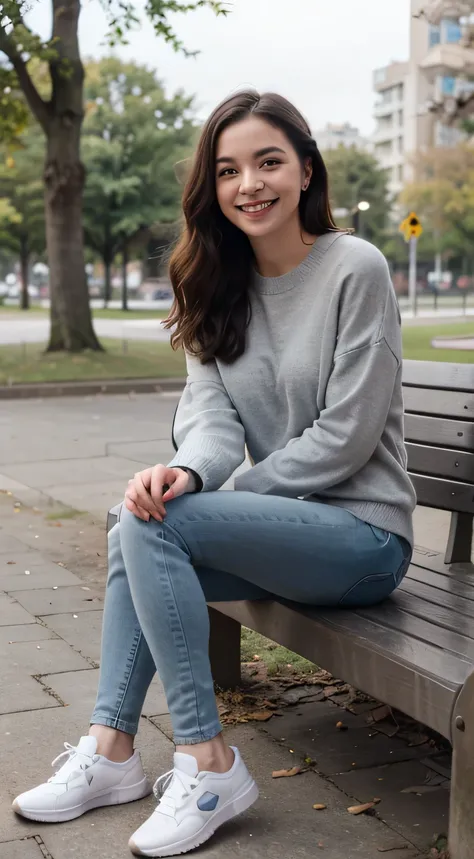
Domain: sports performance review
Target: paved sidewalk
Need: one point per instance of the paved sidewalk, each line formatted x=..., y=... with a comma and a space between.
x=52, y=576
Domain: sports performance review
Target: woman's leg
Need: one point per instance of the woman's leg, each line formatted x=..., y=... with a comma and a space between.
x=303, y=551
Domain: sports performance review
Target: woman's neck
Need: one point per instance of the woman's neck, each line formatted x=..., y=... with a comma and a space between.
x=282, y=252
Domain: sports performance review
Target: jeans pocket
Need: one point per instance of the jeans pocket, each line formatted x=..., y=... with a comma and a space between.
x=369, y=590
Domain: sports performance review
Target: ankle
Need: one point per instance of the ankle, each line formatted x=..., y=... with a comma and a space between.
x=115, y=745
x=213, y=756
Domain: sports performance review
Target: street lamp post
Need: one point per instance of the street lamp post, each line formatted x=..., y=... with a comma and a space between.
x=362, y=206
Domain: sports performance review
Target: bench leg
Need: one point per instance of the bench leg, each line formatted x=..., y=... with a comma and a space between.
x=461, y=817
x=459, y=546
x=224, y=649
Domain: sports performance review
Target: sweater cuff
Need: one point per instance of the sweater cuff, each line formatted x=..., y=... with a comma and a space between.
x=207, y=459
x=195, y=482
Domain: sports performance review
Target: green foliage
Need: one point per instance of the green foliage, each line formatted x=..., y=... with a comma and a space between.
x=443, y=197
x=21, y=185
x=132, y=137
x=355, y=176
x=123, y=16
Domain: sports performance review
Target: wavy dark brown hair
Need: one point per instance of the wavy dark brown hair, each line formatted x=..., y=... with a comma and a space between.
x=211, y=265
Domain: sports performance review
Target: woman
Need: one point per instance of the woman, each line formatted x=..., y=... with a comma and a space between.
x=292, y=338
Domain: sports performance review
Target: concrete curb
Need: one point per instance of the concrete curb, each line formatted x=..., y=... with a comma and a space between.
x=88, y=389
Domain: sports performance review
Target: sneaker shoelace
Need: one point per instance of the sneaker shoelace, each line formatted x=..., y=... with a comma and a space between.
x=171, y=788
x=74, y=760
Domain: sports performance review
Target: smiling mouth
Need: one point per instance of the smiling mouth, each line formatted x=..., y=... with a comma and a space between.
x=257, y=207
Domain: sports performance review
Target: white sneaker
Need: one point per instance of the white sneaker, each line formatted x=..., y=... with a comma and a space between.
x=192, y=806
x=86, y=780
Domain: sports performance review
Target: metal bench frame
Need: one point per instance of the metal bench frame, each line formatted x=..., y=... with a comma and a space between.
x=416, y=650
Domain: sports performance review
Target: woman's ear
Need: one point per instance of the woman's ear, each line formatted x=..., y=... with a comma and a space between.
x=307, y=173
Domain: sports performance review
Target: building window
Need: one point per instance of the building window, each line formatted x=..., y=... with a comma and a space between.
x=448, y=85
x=434, y=35
x=400, y=172
x=451, y=31
x=400, y=117
x=400, y=144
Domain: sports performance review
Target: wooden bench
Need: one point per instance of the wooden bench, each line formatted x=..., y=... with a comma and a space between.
x=415, y=651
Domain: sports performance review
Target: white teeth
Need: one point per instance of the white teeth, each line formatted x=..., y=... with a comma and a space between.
x=256, y=207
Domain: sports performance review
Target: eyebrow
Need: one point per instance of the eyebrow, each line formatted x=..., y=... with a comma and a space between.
x=259, y=154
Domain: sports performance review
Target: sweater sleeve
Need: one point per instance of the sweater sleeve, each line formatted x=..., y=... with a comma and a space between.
x=207, y=429
x=358, y=394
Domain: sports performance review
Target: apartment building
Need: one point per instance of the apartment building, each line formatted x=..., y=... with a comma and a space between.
x=408, y=91
x=343, y=134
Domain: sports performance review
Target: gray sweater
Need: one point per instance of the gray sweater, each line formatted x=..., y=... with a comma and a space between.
x=317, y=395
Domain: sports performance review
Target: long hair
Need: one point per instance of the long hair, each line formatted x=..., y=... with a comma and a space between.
x=211, y=265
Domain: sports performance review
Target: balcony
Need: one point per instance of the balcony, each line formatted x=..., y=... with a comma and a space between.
x=449, y=60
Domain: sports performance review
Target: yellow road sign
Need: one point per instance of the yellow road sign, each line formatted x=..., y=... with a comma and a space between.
x=411, y=227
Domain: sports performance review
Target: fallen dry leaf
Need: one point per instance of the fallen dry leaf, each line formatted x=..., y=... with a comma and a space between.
x=319, y=806
x=10, y=562
x=330, y=690
x=366, y=806
x=391, y=847
x=380, y=713
x=287, y=773
x=262, y=716
x=341, y=726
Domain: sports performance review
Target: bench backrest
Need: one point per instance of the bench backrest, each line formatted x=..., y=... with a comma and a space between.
x=439, y=433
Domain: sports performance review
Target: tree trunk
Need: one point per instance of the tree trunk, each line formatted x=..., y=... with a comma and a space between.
x=24, y=267
x=107, y=282
x=71, y=320
x=124, y=276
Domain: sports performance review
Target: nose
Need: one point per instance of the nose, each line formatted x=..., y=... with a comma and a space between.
x=250, y=183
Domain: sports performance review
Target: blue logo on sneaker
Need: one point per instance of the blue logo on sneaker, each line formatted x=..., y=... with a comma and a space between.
x=207, y=802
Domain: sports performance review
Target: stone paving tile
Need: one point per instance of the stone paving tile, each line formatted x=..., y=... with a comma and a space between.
x=84, y=634
x=21, y=693
x=24, y=849
x=24, y=560
x=281, y=824
x=11, y=613
x=47, y=657
x=74, y=471
x=415, y=817
x=95, y=498
x=10, y=544
x=28, y=744
x=24, y=632
x=47, y=576
x=69, y=599
x=311, y=730
x=79, y=688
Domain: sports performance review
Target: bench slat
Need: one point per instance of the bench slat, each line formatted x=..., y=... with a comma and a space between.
x=432, y=560
x=461, y=606
x=443, y=494
x=446, y=584
x=392, y=615
x=443, y=618
x=434, y=374
x=448, y=404
x=440, y=431
x=441, y=462
x=418, y=678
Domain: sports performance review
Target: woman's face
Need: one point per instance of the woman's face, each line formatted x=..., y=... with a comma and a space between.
x=259, y=177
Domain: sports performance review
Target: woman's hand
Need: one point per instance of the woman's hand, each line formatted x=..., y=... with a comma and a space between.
x=149, y=490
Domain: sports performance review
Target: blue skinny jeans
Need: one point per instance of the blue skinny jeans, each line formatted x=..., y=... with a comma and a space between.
x=216, y=546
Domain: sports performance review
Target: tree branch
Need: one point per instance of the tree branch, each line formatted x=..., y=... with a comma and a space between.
x=38, y=107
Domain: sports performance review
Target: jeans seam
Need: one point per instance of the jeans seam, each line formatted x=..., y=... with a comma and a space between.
x=170, y=583
x=133, y=653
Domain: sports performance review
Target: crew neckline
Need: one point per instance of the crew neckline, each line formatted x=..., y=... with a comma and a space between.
x=285, y=282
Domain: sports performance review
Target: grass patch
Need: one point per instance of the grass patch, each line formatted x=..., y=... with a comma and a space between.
x=276, y=658
x=142, y=360
x=57, y=515
x=417, y=342
x=124, y=315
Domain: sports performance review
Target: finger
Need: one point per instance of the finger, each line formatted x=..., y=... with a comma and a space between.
x=132, y=496
x=143, y=497
x=156, y=487
x=178, y=487
x=139, y=512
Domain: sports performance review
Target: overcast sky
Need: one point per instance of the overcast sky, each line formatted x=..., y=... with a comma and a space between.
x=318, y=53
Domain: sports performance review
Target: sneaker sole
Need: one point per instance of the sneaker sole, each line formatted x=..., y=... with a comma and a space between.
x=117, y=796
x=227, y=812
